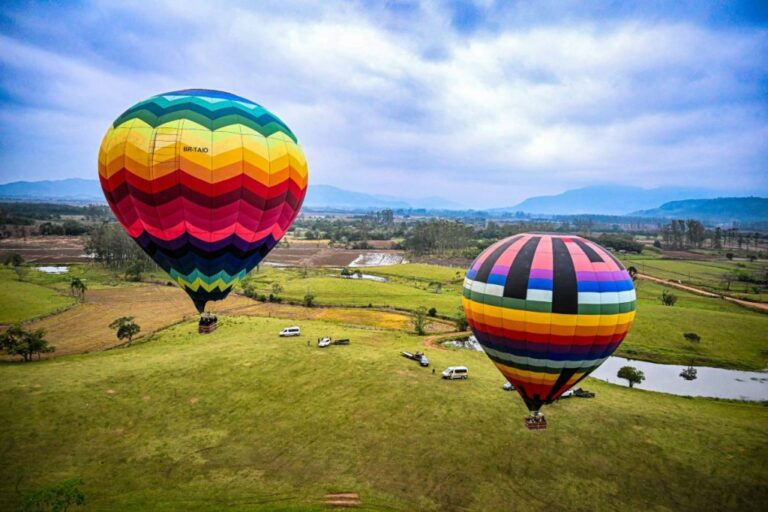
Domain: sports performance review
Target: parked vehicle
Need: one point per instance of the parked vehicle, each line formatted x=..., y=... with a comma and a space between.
x=508, y=386
x=455, y=372
x=290, y=331
x=325, y=342
x=343, y=341
x=417, y=356
x=581, y=393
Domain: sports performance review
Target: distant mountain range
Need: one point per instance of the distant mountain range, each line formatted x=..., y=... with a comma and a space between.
x=721, y=209
x=327, y=196
x=61, y=190
x=606, y=200
x=318, y=196
x=675, y=202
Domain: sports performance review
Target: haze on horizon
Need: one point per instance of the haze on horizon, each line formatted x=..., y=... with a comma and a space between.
x=483, y=103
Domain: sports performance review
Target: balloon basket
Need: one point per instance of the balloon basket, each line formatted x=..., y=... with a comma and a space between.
x=208, y=323
x=535, y=422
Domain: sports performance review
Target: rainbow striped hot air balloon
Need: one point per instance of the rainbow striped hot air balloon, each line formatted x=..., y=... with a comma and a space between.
x=548, y=310
x=205, y=182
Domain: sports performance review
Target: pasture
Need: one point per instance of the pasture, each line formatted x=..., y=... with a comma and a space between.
x=243, y=420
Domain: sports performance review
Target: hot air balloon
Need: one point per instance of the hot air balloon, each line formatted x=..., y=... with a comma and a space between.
x=205, y=182
x=547, y=310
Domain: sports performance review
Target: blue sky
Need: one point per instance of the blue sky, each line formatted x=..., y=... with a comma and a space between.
x=483, y=103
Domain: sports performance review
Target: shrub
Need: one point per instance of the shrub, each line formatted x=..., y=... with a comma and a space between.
x=668, y=298
x=432, y=312
x=692, y=337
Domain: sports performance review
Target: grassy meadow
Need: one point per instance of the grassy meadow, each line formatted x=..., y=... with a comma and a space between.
x=330, y=289
x=731, y=336
x=243, y=420
x=21, y=300
x=706, y=274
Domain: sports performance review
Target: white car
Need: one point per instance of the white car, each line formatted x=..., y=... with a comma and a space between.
x=455, y=372
x=325, y=342
x=290, y=331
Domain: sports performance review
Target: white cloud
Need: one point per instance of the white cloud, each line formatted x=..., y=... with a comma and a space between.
x=527, y=110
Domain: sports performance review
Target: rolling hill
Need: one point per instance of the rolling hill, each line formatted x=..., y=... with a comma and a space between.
x=721, y=209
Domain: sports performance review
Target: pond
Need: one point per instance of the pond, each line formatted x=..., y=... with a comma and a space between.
x=368, y=277
x=53, y=270
x=709, y=382
x=377, y=259
x=665, y=378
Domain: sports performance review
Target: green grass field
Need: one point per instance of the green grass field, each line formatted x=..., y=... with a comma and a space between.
x=332, y=290
x=731, y=336
x=243, y=420
x=21, y=300
x=706, y=274
x=420, y=272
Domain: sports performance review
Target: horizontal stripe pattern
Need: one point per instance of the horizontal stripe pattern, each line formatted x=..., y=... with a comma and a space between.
x=548, y=310
x=206, y=182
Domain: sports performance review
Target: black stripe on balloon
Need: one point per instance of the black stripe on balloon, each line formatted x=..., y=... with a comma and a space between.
x=516, y=286
x=565, y=294
x=560, y=383
x=487, y=266
x=590, y=252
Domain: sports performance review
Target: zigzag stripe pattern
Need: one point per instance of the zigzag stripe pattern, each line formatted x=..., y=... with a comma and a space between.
x=205, y=182
x=548, y=310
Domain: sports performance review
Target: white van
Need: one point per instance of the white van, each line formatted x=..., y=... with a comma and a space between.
x=455, y=372
x=290, y=331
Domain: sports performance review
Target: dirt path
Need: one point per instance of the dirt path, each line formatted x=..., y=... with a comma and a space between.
x=759, y=306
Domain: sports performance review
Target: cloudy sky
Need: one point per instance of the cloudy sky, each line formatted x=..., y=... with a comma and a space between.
x=484, y=103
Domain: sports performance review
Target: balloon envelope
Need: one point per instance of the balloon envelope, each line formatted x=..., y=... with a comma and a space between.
x=548, y=310
x=205, y=182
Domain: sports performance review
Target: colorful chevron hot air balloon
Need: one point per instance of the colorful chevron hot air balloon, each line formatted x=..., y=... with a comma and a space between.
x=205, y=182
x=548, y=310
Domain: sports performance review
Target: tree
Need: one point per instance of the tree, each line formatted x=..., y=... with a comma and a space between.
x=461, y=320
x=717, y=239
x=133, y=271
x=13, y=259
x=21, y=272
x=419, y=320
x=277, y=289
x=689, y=373
x=17, y=341
x=125, y=328
x=432, y=312
x=249, y=289
x=77, y=288
x=692, y=337
x=668, y=298
x=729, y=255
x=631, y=374
x=55, y=498
x=435, y=287
x=728, y=278
x=309, y=299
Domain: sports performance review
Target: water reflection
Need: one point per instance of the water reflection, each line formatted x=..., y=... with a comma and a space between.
x=668, y=378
